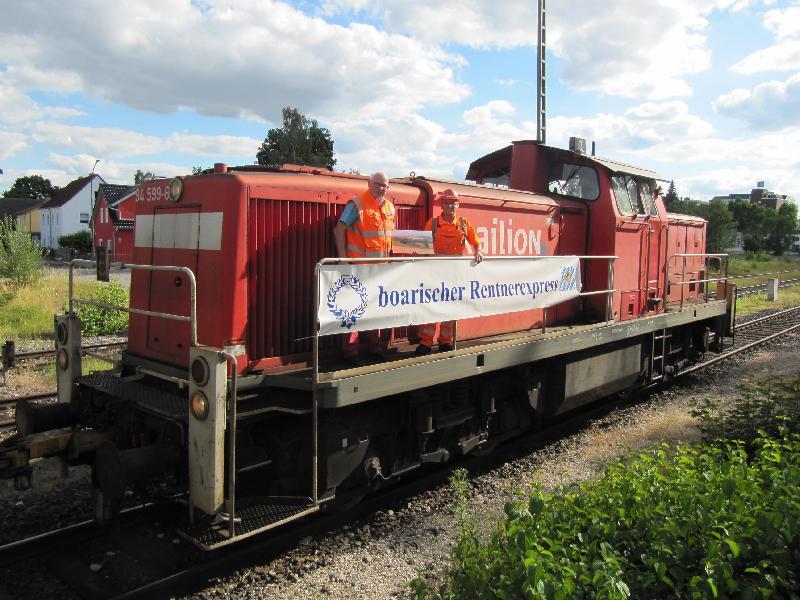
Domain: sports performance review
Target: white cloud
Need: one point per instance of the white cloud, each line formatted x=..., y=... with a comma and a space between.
x=628, y=48
x=120, y=143
x=66, y=168
x=233, y=58
x=784, y=54
x=18, y=109
x=11, y=142
x=779, y=57
x=767, y=106
x=784, y=22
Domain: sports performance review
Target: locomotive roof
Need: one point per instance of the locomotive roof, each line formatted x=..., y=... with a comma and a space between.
x=504, y=155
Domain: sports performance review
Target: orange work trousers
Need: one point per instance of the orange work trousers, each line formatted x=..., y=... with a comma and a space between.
x=350, y=342
x=426, y=333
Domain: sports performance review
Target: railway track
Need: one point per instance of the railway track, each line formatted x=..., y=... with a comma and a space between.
x=141, y=555
x=34, y=354
x=92, y=349
x=758, y=288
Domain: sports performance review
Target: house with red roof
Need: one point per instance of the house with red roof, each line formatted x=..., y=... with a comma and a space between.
x=69, y=210
x=113, y=220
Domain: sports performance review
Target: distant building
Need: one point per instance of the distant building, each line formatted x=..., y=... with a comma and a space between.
x=759, y=194
x=732, y=197
x=113, y=220
x=25, y=212
x=69, y=210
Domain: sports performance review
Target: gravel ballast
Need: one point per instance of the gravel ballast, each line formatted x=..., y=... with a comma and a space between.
x=376, y=557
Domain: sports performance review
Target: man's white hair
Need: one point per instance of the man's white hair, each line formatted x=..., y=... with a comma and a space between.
x=378, y=175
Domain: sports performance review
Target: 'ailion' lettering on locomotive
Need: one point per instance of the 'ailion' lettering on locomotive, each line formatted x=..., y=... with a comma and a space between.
x=503, y=239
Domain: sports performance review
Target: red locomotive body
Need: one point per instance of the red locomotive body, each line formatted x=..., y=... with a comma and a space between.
x=252, y=238
x=280, y=436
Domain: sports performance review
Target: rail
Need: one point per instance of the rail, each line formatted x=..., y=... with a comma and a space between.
x=412, y=259
x=191, y=319
x=723, y=260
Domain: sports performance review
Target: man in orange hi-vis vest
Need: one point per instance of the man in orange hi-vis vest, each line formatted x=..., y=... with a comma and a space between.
x=364, y=230
x=451, y=233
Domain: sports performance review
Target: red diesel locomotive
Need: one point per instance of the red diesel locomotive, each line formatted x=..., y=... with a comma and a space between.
x=225, y=385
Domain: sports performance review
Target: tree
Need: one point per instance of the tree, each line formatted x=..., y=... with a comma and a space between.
x=35, y=187
x=721, y=225
x=782, y=226
x=300, y=141
x=752, y=221
x=672, y=197
x=141, y=176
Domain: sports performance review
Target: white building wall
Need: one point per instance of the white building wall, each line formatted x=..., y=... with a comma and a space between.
x=66, y=219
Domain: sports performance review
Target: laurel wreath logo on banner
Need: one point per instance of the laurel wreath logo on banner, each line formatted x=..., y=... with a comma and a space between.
x=348, y=317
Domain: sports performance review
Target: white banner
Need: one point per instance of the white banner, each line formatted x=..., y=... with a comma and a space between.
x=358, y=297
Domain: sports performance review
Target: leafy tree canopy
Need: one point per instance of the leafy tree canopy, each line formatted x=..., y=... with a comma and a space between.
x=141, y=176
x=300, y=141
x=35, y=187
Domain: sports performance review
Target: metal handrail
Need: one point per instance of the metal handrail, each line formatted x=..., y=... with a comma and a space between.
x=683, y=281
x=191, y=319
x=231, y=499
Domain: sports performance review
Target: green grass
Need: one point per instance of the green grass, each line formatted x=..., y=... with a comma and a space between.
x=741, y=265
x=27, y=314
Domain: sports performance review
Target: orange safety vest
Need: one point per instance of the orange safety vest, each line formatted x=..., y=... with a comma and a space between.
x=452, y=239
x=370, y=236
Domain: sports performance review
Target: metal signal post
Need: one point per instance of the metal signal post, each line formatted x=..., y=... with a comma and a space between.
x=541, y=77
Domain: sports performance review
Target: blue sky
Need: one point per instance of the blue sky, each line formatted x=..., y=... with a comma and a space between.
x=706, y=93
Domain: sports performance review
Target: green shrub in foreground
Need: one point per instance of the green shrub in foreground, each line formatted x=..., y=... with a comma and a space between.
x=700, y=522
x=758, y=410
x=20, y=257
x=104, y=321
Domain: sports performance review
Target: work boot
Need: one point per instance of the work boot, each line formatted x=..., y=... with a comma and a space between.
x=422, y=350
x=445, y=347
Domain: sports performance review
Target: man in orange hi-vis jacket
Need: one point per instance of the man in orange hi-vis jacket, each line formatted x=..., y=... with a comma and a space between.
x=451, y=233
x=364, y=230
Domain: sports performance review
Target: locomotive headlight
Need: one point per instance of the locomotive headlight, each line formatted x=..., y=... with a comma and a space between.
x=62, y=359
x=200, y=371
x=198, y=404
x=62, y=333
x=175, y=189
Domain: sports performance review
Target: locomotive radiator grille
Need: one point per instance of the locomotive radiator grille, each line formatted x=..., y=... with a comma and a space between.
x=255, y=517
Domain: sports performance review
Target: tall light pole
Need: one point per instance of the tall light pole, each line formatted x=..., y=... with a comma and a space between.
x=91, y=203
x=541, y=77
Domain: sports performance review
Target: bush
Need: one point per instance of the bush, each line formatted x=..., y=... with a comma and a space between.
x=104, y=321
x=80, y=241
x=757, y=256
x=20, y=256
x=699, y=522
x=766, y=407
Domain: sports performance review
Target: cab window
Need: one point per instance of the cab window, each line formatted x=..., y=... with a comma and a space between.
x=622, y=195
x=576, y=181
x=649, y=199
x=633, y=196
